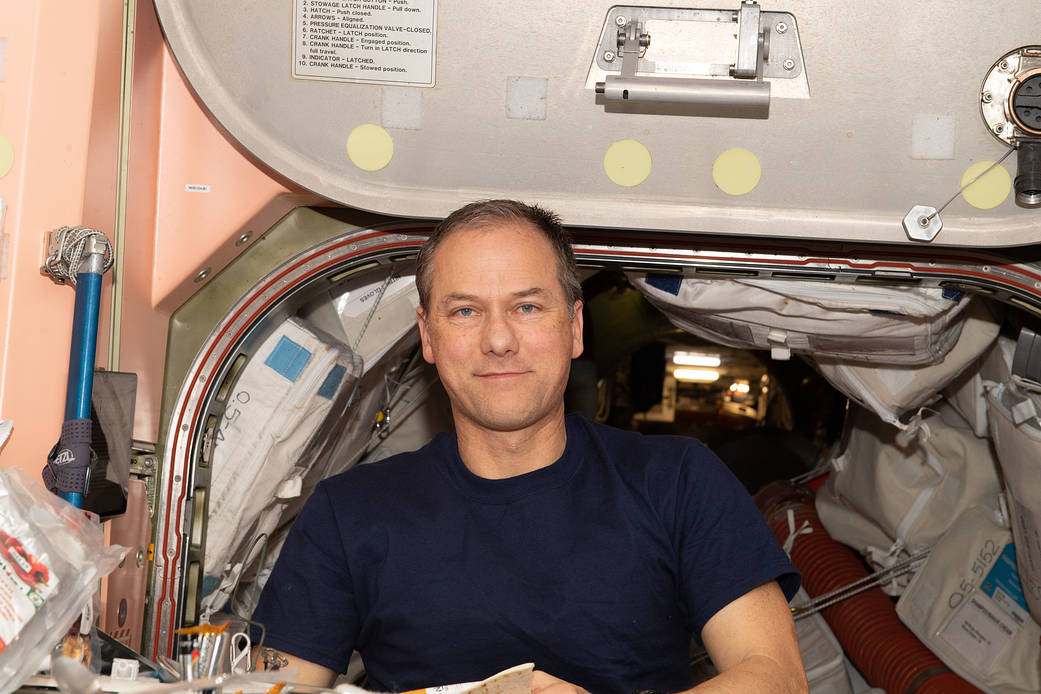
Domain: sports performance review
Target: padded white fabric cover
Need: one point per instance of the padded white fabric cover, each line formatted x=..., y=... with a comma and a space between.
x=889, y=500
x=967, y=393
x=963, y=605
x=861, y=322
x=348, y=315
x=891, y=391
x=822, y=655
x=1016, y=431
x=275, y=408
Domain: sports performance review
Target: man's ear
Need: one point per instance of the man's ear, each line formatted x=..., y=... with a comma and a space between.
x=576, y=331
x=424, y=335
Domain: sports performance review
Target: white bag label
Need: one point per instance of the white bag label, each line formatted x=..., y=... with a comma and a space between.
x=25, y=583
x=358, y=303
x=979, y=630
x=1003, y=586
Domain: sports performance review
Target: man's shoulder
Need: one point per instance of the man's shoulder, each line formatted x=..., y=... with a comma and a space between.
x=622, y=444
x=398, y=471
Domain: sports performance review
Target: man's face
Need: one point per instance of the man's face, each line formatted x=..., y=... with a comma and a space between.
x=498, y=327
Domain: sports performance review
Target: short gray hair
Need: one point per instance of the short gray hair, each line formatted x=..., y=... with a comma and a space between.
x=484, y=213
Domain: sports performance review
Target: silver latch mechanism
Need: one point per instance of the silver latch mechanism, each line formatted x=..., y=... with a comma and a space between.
x=734, y=88
x=753, y=43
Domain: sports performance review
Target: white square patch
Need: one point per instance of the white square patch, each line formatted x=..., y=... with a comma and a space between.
x=932, y=136
x=526, y=97
x=403, y=108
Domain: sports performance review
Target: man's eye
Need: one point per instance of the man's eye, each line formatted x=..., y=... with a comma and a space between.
x=527, y=308
x=464, y=312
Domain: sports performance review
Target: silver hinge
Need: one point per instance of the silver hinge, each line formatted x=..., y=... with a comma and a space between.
x=145, y=466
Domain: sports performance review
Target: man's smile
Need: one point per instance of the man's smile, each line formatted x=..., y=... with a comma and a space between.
x=501, y=374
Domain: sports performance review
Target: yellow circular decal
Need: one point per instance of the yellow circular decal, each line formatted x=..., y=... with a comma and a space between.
x=6, y=156
x=370, y=147
x=627, y=163
x=992, y=187
x=736, y=171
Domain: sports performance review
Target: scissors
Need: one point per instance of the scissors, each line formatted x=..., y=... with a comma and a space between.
x=240, y=653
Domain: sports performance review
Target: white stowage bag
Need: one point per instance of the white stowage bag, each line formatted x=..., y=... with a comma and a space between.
x=822, y=656
x=890, y=501
x=280, y=402
x=891, y=391
x=859, y=322
x=966, y=604
x=51, y=559
x=349, y=315
x=968, y=392
x=1016, y=431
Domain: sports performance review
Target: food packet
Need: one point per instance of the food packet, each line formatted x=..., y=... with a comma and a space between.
x=51, y=558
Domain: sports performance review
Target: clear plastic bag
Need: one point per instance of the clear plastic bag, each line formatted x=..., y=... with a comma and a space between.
x=51, y=557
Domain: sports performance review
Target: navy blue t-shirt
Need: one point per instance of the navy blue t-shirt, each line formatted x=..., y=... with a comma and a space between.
x=597, y=568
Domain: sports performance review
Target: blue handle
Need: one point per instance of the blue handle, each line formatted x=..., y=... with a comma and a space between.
x=81, y=356
x=74, y=498
x=84, y=346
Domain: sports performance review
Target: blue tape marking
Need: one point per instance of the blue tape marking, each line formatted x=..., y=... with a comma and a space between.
x=952, y=294
x=288, y=359
x=1005, y=575
x=209, y=584
x=882, y=312
x=332, y=382
x=666, y=283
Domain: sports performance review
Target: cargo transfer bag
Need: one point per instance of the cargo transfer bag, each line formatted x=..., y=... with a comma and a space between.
x=892, y=391
x=891, y=501
x=967, y=606
x=822, y=655
x=861, y=322
x=280, y=402
x=1016, y=431
x=967, y=393
x=350, y=316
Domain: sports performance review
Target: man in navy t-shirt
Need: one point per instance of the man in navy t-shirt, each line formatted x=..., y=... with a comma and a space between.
x=529, y=536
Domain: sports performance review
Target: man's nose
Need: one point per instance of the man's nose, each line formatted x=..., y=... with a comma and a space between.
x=499, y=336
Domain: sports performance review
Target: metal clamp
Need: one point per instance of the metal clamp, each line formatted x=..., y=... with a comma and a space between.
x=734, y=89
x=74, y=250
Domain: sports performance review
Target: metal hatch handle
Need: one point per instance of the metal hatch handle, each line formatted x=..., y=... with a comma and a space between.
x=746, y=96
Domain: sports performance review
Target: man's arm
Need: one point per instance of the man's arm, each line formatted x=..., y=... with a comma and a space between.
x=751, y=642
x=273, y=660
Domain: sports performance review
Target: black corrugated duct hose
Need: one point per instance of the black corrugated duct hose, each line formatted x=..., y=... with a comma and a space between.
x=1028, y=174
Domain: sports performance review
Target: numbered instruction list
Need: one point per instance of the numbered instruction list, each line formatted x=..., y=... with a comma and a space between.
x=377, y=41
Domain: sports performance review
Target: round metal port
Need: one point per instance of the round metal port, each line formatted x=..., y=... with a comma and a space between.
x=1025, y=102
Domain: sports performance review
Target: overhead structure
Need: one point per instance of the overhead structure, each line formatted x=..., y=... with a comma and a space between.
x=786, y=120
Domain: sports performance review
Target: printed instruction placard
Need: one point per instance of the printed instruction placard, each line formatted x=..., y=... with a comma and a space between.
x=372, y=41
